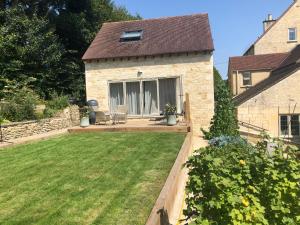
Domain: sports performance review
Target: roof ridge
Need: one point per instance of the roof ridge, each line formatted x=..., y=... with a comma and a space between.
x=159, y=18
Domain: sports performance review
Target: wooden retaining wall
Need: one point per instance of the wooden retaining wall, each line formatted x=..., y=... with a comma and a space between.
x=168, y=206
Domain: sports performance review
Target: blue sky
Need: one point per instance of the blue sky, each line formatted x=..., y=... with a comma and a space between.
x=235, y=23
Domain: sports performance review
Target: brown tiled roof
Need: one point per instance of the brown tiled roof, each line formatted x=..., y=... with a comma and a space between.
x=256, y=62
x=285, y=69
x=169, y=35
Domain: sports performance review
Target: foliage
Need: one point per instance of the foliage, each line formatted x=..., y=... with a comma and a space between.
x=225, y=140
x=241, y=184
x=224, y=121
x=20, y=106
x=217, y=79
x=58, y=32
x=85, y=111
x=170, y=109
x=56, y=104
x=35, y=54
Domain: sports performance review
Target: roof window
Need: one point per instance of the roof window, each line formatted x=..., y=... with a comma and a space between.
x=131, y=35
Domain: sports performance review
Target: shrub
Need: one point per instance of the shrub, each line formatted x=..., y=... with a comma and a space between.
x=20, y=106
x=241, y=184
x=56, y=104
x=224, y=121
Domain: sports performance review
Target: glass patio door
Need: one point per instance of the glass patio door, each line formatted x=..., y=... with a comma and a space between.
x=133, y=98
x=167, y=93
x=150, y=100
x=116, y=95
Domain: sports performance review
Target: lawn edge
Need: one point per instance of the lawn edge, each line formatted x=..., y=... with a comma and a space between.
x=167, y=207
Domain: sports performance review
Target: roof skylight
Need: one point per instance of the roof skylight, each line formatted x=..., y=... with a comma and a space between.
x=131, y=35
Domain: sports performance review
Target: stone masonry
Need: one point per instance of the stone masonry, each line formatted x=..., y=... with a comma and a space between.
x=264, y=109
x=194, y=69
x=67, y=118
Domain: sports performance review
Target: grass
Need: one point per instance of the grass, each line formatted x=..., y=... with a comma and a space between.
x=95, y=178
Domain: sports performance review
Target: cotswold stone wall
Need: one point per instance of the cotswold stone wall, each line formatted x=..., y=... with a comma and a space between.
x=67, y=118
x=264, y=109
x=195, y=70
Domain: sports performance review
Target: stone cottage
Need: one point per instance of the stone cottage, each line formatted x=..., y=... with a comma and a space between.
x=145, y=64
x=265, y=81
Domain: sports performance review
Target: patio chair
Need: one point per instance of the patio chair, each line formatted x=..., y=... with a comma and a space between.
x=121, y=113
x=102, y=117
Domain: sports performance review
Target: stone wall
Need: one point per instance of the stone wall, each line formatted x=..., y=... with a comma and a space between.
x=264, y=109
x=276, y=39
x=195, y=71
x=236, y=80
x=67, y=118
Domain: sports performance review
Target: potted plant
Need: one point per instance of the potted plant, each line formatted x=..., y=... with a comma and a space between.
x=170, y=112
x=84, y=117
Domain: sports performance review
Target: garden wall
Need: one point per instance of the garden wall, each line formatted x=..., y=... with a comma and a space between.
x=67, y=118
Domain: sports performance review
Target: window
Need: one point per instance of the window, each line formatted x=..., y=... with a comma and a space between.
x=247, y=81
x=284, y=125
x=290, y=125
x=292, y=34
x=131, y=35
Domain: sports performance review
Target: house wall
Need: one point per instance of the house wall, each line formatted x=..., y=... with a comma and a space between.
x=264, y=109
x=276, y=39
x=195, y=69
x=236, y=80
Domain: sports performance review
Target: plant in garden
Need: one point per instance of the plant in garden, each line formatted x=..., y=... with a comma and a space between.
x=224, y=121
x=170, y=109
x=242, y=184
x=56, y=104
x=20, y=106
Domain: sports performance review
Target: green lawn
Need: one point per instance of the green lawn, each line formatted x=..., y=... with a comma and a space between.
x=92, y=178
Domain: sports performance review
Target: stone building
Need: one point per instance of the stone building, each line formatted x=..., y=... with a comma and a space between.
x=265, y=81
x=145, y=64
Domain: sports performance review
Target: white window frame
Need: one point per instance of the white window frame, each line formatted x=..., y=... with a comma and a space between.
x=289, y=34
x=248, y=78
x=179, y=99
x=289, y=123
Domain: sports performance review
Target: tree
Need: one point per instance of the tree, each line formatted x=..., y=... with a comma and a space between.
x=72, y=23
x=217, y=79
x=35, y=54
x=224, y=122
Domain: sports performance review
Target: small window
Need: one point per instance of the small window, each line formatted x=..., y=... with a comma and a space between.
x=290, y=125
x=131, y=35
x=247, y=80
x=284, y=125
x=295, y=125
x=292, y=34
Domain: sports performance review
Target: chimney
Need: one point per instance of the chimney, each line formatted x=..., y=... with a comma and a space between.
x=268, y=22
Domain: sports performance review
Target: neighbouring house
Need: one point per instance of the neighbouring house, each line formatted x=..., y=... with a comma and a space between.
x=265, y=81
x=145, y=64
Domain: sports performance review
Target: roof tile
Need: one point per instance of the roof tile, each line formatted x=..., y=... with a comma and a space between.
x=160, y=36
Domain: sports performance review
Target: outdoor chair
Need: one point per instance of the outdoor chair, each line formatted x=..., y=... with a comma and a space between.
x=102, y=117
x=121, y=113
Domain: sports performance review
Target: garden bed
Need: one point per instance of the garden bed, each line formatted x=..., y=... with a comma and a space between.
x=103, y=178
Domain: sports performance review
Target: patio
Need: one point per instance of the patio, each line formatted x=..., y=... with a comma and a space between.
x=134, y=125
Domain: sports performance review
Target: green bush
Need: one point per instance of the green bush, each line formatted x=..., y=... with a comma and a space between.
x=242, y=184
x=20, y=106
x=56, y=104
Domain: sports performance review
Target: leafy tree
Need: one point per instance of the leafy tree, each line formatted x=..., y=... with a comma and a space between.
x=224, y=121
x=35, y=54
x=70, y=25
